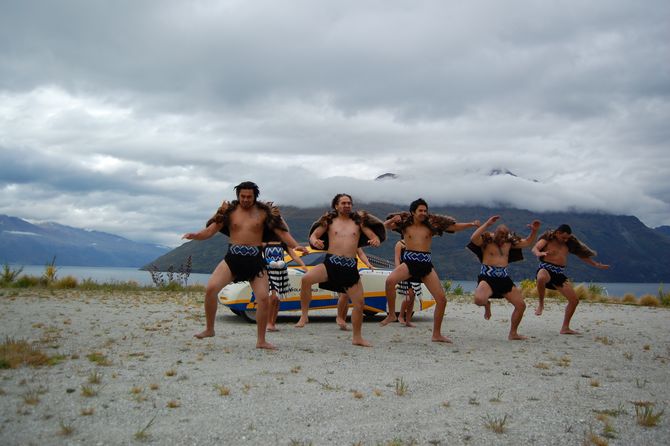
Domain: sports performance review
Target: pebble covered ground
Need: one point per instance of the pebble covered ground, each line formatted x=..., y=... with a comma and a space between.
x=125, y=369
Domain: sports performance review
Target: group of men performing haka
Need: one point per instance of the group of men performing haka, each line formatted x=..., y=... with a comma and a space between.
x=257, y=232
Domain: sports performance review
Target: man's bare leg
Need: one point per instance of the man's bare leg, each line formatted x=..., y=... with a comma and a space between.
x=573, y=301
x=273, y=311
x=397, y=275
x=260, y=288
x=342, y=308
x=409, y=309
x=403, y=309
x=356, y=295
x=514, y=297
x=434, y=286
x=221, y=276
x=317, y=274
x=543, y=278
x=482, y=294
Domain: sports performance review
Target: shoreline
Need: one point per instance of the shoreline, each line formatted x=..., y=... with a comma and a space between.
x=318, y=388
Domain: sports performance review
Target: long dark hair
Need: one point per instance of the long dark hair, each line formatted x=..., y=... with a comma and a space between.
x=247, y=185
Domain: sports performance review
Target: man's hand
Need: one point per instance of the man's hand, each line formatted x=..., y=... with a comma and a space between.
x=302, y=249
x=318, y=243
x=535, y=225
x=374, y=242
x=492, y=220
x=189, y=235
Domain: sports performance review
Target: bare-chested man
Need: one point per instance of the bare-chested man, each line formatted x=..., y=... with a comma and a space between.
x=344, y=231
x=244, y=221
x=552, y=250
x=417, y=229
x=494, y=250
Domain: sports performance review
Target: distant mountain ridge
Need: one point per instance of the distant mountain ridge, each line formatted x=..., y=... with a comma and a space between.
x=24, y=243
x=637, y=253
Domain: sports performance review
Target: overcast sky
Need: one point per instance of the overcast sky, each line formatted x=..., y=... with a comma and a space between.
x=138, y=117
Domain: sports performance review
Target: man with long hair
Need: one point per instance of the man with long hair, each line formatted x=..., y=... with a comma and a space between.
x=246, y=221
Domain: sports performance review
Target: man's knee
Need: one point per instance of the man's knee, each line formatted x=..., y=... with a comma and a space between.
x=263, y=298
x=480, y=299
x=440, y=298
x=519, y=304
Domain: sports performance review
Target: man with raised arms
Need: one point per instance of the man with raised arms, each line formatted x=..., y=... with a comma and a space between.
x=341, y=232
x=417, y=228
x=495, y=251
x=247, y=222
x=552, y=250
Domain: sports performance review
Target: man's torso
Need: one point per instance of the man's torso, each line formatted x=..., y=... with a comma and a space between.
x=556, y=253
x=246, y=226
x=418, y=237
x=343, y=236
x=496, y=255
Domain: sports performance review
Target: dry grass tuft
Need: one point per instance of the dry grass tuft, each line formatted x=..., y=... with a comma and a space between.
x=649, y=301
x=173, y=404
x=357, y=394
x=223, y=390
x=644, y=412
x=496, y=424
x=66, y=429
x=15, y=353
x=99, y=359
x=629, y=298
x=401, y=387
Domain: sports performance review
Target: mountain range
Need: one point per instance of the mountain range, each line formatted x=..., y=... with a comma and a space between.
x=635, y=252
x=25, y=243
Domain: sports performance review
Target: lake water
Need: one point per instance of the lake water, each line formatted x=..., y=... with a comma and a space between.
x=110, y=274
x=105, y=274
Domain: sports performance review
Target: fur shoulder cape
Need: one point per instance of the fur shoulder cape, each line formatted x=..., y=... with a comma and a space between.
x=273, y=218
x=360, y=217
x=437, y=224
x=575, y=246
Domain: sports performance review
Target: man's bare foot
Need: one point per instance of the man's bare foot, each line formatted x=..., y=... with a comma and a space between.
x=204, y=334
x=272, y=328
x=342, y=324
x=302, y=322
x=265, y=345
x=568, y=331
x=388, y=319
x=487, y=311
x=361, y=342
x=409, y=324
x=539, y=310
x=516, y=337
x=441, y=338
x=401, y=320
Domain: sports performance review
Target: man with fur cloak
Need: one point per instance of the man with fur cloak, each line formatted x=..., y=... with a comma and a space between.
x=418, y=228
x=552, y=250
x=341, y=232
x=495, y=250
x=248, y=223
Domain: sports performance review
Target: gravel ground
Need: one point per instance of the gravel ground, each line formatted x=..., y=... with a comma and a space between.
x=159, y=385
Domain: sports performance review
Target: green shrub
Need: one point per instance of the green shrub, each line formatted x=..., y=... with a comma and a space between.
x=27, y=282
x=9, y=274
